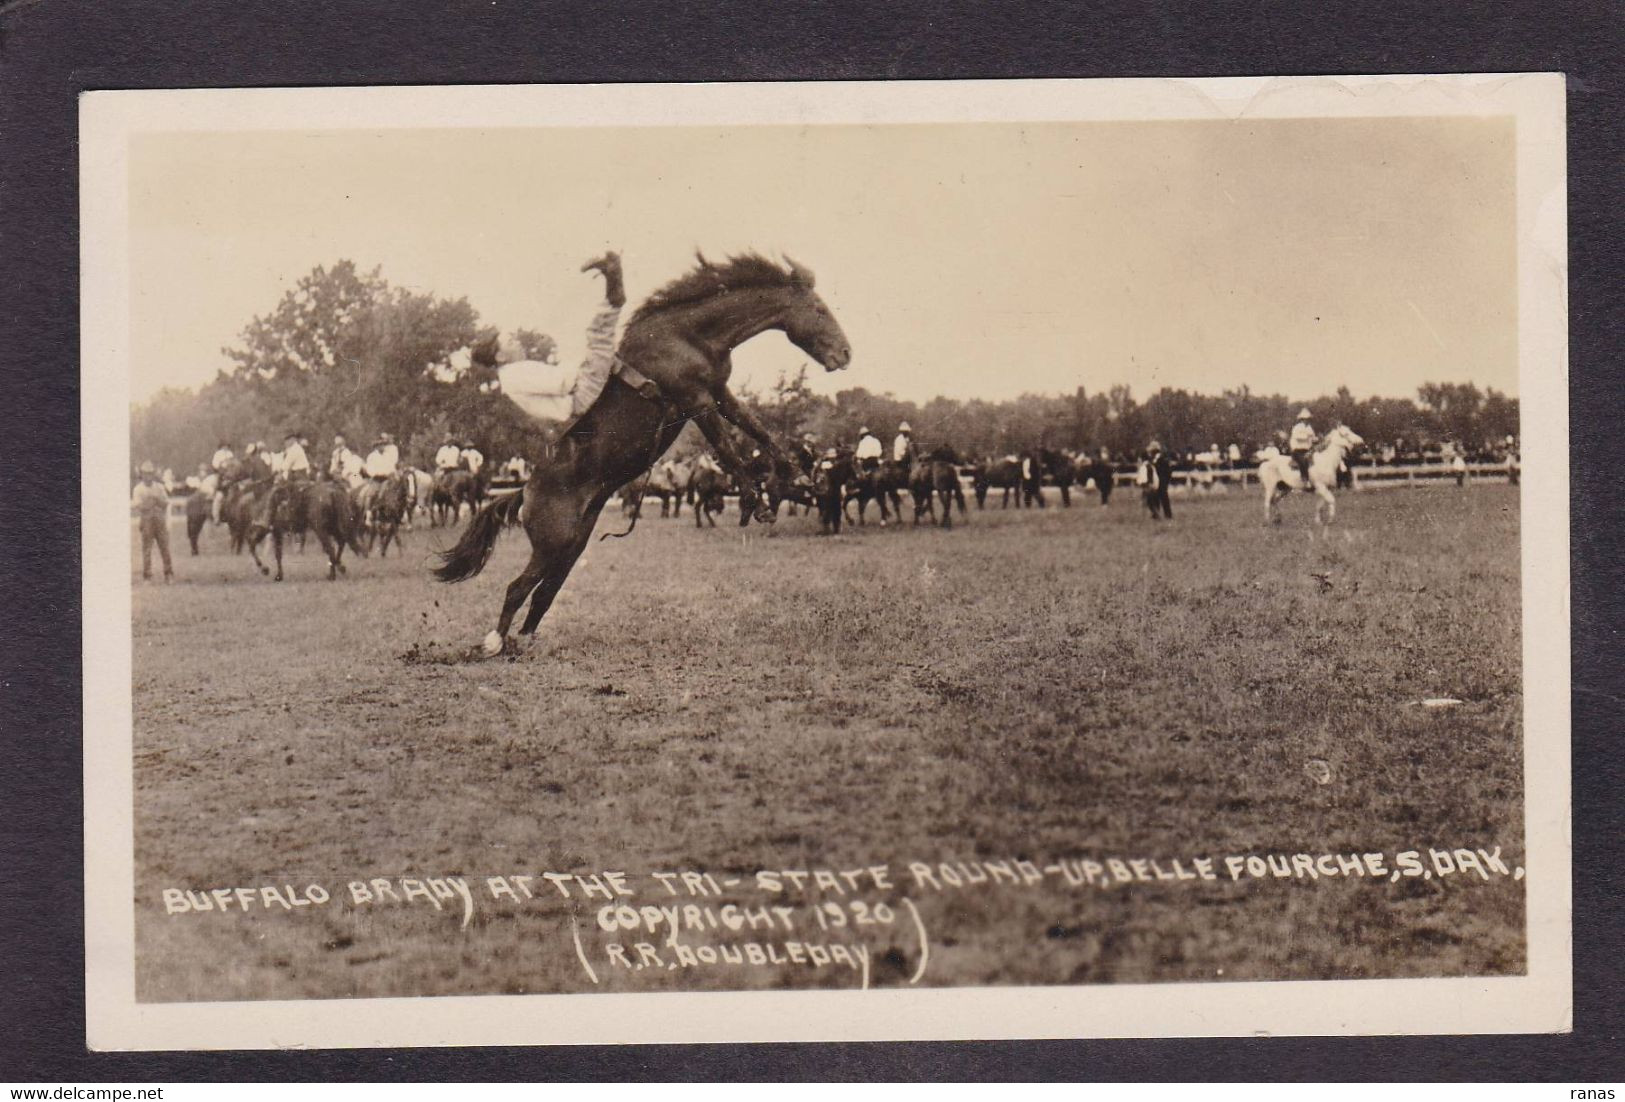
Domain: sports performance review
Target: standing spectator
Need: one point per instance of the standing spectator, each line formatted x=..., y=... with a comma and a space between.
x=151, y=504
x=1100, y=471
x=1162, y=473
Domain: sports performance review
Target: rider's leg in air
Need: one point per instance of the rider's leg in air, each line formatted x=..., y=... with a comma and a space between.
x=600, y=359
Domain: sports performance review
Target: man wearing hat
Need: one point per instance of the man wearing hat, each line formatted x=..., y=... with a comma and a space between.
x=448, y=456
x=293, y=464
x=471, y=457
x=1300, y=443
x=902, y=448
x=1162, y=476
x=150, y=501
x=384, y=460
x=806, y=452
x=344, y=465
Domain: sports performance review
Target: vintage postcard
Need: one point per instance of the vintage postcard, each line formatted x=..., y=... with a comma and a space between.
x=819, y=562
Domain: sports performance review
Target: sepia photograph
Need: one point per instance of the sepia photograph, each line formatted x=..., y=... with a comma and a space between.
x=1038, y=558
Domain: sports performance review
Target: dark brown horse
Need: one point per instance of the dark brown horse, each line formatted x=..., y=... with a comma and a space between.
x=884, y=483
x=243, y=500
x=452, y=490
x=781, y=482
x=1061, y=469
x=936, y=479
x=706, y=489
x=197, y=513
x=680, y=340
x=829, y=478
x=1003, y=474
x=383, y=510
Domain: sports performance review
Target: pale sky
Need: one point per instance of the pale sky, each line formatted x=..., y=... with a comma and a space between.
x=969, y=260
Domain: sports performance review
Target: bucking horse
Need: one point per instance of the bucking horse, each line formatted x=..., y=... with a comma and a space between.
x=679, y=343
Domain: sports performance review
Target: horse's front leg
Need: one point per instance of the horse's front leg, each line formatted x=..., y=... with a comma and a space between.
x=736, y=414
x=1327, y=503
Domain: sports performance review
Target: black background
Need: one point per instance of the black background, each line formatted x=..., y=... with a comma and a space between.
x=50, y=50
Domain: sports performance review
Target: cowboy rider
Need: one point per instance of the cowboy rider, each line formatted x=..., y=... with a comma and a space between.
x=291, y=464
x=805, y=452
x=448, y=457
x=1301, y=442
x=539, y=388
x=471, y=457
x=344, y=465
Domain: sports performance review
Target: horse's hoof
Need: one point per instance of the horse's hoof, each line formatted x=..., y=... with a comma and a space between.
x=492, y=645
x=265, y=571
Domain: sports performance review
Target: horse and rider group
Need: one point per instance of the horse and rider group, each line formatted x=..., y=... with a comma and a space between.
x=825, y=481
x=355, y=501
x=604, y=428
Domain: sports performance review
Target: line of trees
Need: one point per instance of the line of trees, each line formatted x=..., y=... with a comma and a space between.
x=344, y=351
x=1476, y=421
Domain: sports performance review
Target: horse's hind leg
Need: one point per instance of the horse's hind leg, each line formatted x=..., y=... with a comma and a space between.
x=253, y=541
x=518, y=589
x=333, y=554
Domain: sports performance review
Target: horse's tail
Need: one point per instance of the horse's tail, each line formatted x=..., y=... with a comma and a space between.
x=473, y=550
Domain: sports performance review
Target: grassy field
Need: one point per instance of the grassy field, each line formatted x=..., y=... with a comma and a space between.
x=1052, y=687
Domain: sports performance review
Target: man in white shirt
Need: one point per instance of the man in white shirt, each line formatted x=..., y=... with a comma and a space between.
x=345, y=465
x=449, y=455
x=1301, y=442
x=384, y=459
x=902, y=448
x=223, y=455
x=869, y=450
x=293, y=464
x=150, y=501
x=472, y=457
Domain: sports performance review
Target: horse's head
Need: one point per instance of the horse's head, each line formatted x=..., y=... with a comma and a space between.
x=1347, y=436
x=810, y=325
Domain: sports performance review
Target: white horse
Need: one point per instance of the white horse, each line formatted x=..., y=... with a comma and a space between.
x=1280, y=475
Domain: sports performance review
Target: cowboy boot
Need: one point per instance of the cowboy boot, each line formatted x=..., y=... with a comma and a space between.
x=609, y=266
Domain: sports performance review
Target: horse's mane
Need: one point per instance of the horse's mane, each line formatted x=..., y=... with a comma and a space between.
x=737, y=273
